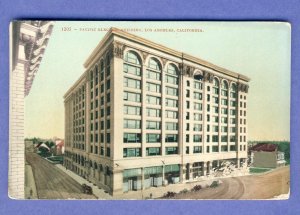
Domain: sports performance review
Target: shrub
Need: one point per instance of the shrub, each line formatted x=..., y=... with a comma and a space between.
x=169, y=194
x=214, y=184
x=184, y=191
x=197, y=188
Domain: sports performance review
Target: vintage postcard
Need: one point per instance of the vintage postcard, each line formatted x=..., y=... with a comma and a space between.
x=149, y=110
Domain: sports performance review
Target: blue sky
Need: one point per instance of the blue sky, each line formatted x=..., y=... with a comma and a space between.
x=259, y=50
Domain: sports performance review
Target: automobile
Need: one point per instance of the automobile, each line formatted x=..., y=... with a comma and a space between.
x=86, y=189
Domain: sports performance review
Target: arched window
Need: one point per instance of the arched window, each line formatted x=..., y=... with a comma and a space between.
x=216, y=86
x=154, y=69
x=154, y=64
x=172, y=70
x=172, y=74
x=198, y=76
x=132, y=64
x=224, y=87
x=131, y=57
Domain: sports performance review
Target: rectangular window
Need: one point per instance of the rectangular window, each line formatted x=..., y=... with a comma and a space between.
x=215, y=128
x=108, y=84
x=215, y=138
x=153, y=125
x=215, y=119
x=224, y=138
x=232, y=138
x=171, y=150
x=197, y=127
x=131, y=152
x=132, y=70
x=153, y=100
x=152, y=151
x=232, y=148
x=232, y=121
x=224, y=101
x=171, y=91
x=171, y=138
x=171, y=114
x=197, y=85
x=197, y=106
x=197, y=138
x=187, y=138
x=232, y=112
x=171, y=126
x=224, y=92
x=107, y=152
x=171, y=103
x=197, y=95
x=233, y=95
x=153, y=112
x=197, y=149
x=215, y=149
x=232, y=129
x=187, y=93
x=108, y=111
x=132, y=138
x=224, y=129
x=132, y=83
x=132, y=124
x=224, y=148
x=197, y=117
x=132, y=110
x=133, y=97
x=153, y=138
x=171, y=79
x=153, y=87
x=215, y=91
x=215, y=109
x=224, y=111
x=108, y=138
x=153, y=75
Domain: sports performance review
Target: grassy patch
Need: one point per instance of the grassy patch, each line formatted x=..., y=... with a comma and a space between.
x=259, y=170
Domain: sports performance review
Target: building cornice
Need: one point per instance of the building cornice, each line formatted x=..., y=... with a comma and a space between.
x=159, y=47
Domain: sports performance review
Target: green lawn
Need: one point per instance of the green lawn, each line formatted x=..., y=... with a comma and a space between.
x=259, y=170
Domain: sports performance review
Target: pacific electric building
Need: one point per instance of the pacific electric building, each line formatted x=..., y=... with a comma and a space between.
x=143, y=115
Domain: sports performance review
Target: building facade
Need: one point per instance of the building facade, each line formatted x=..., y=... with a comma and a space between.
x=28, y=42
x=145, y=115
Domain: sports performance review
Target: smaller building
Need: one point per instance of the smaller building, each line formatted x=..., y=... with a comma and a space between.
x=59, y=147
x=266, y=155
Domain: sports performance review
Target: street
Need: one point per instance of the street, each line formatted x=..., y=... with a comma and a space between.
x=262, y=186
x=51, y=182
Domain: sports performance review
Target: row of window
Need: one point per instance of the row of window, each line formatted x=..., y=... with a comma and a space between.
x=154, y=125
x=150, y=151
x=156, y=151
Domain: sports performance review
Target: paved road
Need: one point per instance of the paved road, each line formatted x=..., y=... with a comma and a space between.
x=261, y=186
x=51, y=182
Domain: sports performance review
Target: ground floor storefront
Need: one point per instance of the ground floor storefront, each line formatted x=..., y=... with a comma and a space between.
x=118, y=181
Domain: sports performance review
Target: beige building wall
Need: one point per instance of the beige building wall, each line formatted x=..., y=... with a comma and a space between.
x=227, y=104
x=28, y=41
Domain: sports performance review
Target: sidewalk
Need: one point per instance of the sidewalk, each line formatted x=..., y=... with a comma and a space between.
x=99, y=193
x=157, y=192
x=30, y=188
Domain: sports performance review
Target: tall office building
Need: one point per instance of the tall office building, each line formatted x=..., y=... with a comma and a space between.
x=145, y=115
